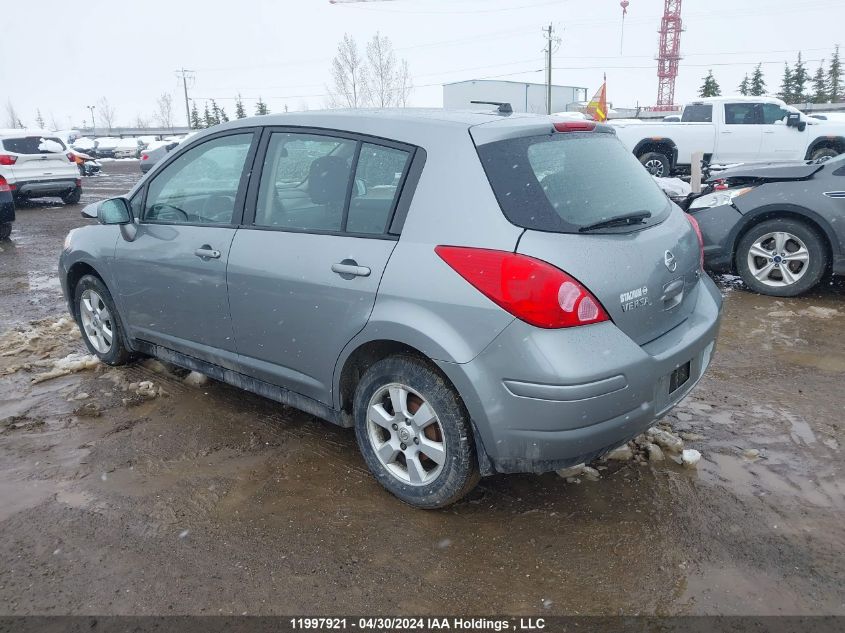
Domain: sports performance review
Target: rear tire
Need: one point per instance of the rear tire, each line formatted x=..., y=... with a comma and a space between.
x=420, y=449
x=98, y=320
x=73, y=197
x=656, y=164
x=5, y=230
x=760, y=262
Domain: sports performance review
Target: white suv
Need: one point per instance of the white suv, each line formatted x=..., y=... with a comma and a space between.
x=37, y=164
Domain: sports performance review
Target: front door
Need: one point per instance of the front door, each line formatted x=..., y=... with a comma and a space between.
x=303, y=278
x=172, y=275
x=781, y=142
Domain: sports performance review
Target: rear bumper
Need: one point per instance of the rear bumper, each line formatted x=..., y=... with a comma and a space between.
x=545, y=399
x=146, y=165
x=40, y=188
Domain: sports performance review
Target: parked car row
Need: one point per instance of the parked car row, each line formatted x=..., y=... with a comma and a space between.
x=113, y=147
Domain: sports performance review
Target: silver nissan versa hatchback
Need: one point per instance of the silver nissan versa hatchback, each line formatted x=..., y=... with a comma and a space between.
x=473, y=292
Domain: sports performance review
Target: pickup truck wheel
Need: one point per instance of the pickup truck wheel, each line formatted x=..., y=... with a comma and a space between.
x=414, y=433
x=823, y=154
x=5, y=230
x=72, y=197
x=781, y=257
x=656, y=164
x=99, y=322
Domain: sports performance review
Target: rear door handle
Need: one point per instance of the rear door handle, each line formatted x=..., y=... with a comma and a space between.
x=349, y=269
x=206, y=252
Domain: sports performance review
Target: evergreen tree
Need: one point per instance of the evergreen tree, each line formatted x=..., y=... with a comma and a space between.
x=834, y=78
x=239, y=108
x=196, y=124
x=758, y=84
x=787, y=87
x=744, y=86
x=710, y=88
x=215, y=112
x=800, y=77
x=223, y=117
x=208, y=118
x=820, y=85
x=261, y=107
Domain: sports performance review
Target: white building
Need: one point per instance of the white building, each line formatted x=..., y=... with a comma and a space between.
x=523, y=97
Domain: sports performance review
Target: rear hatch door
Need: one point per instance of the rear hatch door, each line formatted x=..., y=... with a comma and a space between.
x=562, y=186
x=39, y=158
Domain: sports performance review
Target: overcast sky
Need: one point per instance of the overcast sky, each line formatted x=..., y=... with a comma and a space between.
x=61, y=56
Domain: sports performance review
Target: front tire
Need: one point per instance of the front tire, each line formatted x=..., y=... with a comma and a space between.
x=781, y=257
x=823, y=154
x=98, y=320
x=656, y=164
x=414, y=433
x=73, y=197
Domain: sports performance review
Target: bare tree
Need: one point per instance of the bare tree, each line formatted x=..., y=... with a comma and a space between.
x=349, y=76
x=404, y=85
x=105, y=111
x=39, y=119
x=383, y=75
x=141, y=121
x=54, y=123
x=164, y=111
x=12, y=118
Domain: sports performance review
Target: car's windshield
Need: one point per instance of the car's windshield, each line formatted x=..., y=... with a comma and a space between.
x=565, y=182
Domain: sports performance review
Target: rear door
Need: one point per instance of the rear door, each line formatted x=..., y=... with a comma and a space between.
x=39, y=158
x=304, y=272
x=558, y=186
x=172, y=275
x=741, y=133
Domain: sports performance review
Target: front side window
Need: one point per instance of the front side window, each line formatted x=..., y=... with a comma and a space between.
x=773, y=113
x=377, y=180
x=304, y=182
x=201, y=185
x=742, y=113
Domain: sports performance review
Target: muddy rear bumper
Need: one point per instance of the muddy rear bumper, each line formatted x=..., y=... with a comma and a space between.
x=545, y=399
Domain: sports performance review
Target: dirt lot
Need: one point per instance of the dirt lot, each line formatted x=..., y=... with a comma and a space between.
x=209, y=500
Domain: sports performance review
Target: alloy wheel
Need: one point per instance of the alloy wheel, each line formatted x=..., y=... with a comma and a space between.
x=406, y=434
x=778, y=259
x=654, y=167
x=96, y=321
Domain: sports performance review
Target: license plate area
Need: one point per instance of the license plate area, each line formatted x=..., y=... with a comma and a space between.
x=679, y=377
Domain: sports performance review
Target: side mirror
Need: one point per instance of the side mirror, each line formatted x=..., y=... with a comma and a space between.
x=111, y=211
x=793, y=119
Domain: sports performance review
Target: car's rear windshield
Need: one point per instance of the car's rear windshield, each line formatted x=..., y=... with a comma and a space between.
x=698, y=113
x=33, y=145
x=564, y=182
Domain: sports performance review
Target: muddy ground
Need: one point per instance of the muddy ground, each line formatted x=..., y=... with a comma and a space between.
x=210, y=500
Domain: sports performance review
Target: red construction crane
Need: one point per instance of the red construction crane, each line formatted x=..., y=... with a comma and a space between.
x=669, y=54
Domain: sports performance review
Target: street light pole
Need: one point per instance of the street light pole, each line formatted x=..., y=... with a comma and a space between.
x=93, y=125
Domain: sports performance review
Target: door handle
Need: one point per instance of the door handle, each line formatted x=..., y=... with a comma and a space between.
x=349, y=269
x=206, y=252
x=768, y=131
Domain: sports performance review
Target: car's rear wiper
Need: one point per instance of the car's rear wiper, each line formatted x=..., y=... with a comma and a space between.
x=637, y=217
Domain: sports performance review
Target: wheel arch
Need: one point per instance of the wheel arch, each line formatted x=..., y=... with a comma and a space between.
x=789, y=211
x=76, y=272
x=659, y=144
x=834, y=142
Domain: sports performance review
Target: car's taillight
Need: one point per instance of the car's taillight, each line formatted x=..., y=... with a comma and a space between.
x=574, y=126
x=144, y=156
x=5, y=186
x=530, y=289
x=70, y=157
x=6, y=159
x=697, y=230
x=79, y=182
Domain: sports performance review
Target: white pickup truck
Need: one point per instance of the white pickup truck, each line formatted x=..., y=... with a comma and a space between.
x=731, y=130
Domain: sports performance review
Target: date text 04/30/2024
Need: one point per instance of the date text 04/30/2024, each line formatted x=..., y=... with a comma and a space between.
x=419, y=624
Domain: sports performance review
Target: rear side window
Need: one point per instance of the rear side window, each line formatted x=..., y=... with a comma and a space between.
x=742, y=114
x=34, y=145
x=563, y=182
x=698, y=113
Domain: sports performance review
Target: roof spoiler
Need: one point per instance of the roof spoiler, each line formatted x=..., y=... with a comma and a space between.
x=503, y=106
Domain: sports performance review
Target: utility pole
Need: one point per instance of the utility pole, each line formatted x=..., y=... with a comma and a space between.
x=93, y=125
x=551, y=41
x=184, y=74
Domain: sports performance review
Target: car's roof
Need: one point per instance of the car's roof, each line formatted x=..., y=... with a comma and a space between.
x=411, y=125
x=25, y=132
